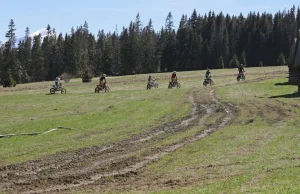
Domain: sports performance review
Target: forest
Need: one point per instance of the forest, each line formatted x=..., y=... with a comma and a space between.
x=213, y=41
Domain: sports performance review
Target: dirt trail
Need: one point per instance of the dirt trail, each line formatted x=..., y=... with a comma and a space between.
x=67, y=171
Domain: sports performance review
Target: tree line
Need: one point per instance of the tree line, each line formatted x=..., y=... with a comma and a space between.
x=200, y=42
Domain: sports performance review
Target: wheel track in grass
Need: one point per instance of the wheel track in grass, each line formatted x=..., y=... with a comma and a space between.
x=66, y=171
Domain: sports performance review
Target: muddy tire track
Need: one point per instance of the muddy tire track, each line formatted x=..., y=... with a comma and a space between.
x=68, y=170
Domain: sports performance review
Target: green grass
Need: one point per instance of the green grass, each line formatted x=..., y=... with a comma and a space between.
x=257, y=153
x=99, y=118
x=261, y=156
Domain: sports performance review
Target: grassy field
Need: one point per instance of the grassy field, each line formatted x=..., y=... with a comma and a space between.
x=257, y=152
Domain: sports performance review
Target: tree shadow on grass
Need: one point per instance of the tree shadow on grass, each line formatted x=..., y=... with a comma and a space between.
x=293, y=95
x=285, y=84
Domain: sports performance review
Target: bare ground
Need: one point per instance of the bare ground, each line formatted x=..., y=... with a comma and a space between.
x=125, y=161
x=90, y=167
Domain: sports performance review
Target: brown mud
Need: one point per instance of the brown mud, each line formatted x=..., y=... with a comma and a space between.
x=120, y=165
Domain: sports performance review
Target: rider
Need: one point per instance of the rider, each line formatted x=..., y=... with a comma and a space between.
x=150, y=80
x=102, y=80
x=207, y=74
x=174, y=77
x=241, y=69
x=57, y=81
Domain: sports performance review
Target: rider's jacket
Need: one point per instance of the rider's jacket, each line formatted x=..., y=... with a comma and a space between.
x=173, y=75
x=150, y=79
x=241, y=70
x=207, y=74
x=57, y=80
x=102, y=78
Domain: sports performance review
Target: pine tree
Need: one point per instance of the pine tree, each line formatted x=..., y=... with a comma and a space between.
x=234, y=62
x=281, y=59
x=11, y=35
x=100, y=45
x=57, y=60
x=169, y=25
x=150, y=62
x=221, y=63
x=193, y=20
x=298, y=18
x=225, y=47
x=137, y=42
x=243, y=59
x=260, y=64
x=92, y=53
x=69, y=58
x=10, y=55
x=8, y=80
x=116, y=55
x=37, y=68
x=107, y=57
x=47, y=48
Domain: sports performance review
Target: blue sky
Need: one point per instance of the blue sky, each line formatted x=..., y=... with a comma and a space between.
x=106, y=14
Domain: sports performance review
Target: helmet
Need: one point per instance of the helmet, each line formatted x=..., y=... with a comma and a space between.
x=104, y=75
x=174, y=71
x=208, y=69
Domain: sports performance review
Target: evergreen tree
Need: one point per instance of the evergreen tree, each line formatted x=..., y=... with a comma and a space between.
x=124, y=40
x=116, y=55
x=137, y=43
x=100, y=45
x=37, y=71
x=8, y=80
x=225, y=46
x=298, y=18
x=234, y=62
x=57, y=60
x=281, y=59
x=47, y=48
x=200, y=42
x=10, y=35
x=150, y=62
x=10, y=55
x=221, y=63
x=69, y=58
x=243, y=59
x=169, y=25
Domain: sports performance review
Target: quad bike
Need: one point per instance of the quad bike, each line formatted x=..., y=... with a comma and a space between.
x=154, y=84
x=58, y=88
x=174, y=84
x=208, y=81
x=241, y=76
x=104, y=88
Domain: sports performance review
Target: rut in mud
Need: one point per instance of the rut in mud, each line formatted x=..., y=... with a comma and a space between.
x=67, y=171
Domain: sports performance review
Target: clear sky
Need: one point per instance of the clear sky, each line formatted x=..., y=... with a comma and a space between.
x=106, y=14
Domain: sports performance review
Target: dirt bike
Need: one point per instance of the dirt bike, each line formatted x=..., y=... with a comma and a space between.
x=208, y=81
x=104, y=88
x=58, y=88
x=240, y=76
x=174, y=84
x=154, y=84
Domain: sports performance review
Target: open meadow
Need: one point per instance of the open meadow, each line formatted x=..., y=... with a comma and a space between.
x=232, y=137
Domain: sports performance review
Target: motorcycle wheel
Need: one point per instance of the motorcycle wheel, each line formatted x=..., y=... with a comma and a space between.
x=63, y=91
x=52, y=91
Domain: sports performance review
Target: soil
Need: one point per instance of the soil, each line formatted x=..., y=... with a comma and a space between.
x=121, y=166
